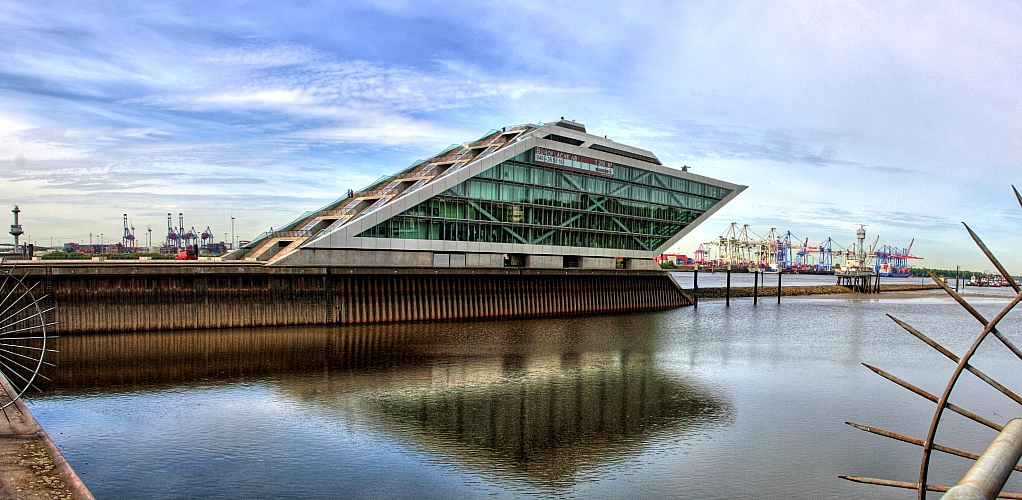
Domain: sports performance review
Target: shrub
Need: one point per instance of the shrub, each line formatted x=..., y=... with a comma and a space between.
x=65, y=255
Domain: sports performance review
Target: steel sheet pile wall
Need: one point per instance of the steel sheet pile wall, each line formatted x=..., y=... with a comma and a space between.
x=379, y=299
x=153, y=303
x=177, y=303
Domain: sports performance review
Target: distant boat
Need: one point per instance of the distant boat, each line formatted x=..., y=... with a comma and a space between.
x=889, y=271
x=984, y=281
x=896, y=275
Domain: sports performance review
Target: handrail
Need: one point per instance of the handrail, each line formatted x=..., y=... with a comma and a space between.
x=332, y=206
x=987, y=476
x=262, y=236
x=291, y=233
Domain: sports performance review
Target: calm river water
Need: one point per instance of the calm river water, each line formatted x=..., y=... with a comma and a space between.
x=714, y=402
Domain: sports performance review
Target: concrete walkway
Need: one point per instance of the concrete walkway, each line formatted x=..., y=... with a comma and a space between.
x=31, y=466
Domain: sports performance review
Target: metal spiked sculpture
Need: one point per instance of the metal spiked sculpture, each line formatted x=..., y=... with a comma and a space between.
x=929, y=444
x=23, y=334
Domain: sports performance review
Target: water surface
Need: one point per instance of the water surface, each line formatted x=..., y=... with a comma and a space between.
x=711, y=402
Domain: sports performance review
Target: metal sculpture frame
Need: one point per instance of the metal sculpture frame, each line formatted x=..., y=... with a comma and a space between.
x=24, y=338
x=943, y=403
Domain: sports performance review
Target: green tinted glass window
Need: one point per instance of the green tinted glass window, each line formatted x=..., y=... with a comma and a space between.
x=520, y=202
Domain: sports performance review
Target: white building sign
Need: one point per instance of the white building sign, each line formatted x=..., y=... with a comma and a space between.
x=570, y=161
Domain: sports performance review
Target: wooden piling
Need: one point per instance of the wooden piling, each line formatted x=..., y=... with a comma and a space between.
x=727, y=300
x=779, y=274
x=695, y=288
x=755, y=287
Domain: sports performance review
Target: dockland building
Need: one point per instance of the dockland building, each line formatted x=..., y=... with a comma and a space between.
x=530, y=196
x=530, y=220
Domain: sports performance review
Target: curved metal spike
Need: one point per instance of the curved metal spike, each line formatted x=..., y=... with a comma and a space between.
x=927, y=340
x=976, y=314
x=955, y=408
x=972, y=369
x=22, y=320
x=901, y=382
x=894, y=484
x=958, y=298
x=914, y=486
x=918, y=442
x=924, y=465
x=993, y=260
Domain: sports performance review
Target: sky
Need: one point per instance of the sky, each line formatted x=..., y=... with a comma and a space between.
x=902, y=116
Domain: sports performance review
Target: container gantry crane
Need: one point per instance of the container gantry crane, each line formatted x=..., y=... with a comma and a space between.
x=173, y=238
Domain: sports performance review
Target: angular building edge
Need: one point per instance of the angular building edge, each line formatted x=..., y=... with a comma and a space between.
x=347, y=233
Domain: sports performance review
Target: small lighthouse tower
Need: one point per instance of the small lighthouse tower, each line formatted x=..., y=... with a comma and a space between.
x=16, y=230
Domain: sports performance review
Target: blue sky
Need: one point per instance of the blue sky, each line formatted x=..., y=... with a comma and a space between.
x=901, y=116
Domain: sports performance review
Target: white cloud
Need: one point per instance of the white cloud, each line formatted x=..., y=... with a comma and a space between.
x=381, y=131
x=11, y=124
x=903, y=115
x=332, y=88
x=268, y=56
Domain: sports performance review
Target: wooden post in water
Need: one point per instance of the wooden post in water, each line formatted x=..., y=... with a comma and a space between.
x=779, y=273
x=727, y=292
x=958, y=277
x=755, y=287
x=695, y=288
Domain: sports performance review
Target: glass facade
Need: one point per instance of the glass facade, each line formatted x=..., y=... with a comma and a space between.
x=520, y=201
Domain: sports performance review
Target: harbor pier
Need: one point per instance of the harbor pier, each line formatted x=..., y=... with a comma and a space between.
x=860, y=281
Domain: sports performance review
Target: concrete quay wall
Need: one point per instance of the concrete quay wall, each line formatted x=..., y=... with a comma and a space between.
x=133, y=297
x=31, y=465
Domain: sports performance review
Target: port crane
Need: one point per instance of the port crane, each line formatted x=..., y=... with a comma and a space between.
x=740, y=247
x=129, y=235
x=893, y=261
x=173, y=237
x=702, y=255
x=207, y=237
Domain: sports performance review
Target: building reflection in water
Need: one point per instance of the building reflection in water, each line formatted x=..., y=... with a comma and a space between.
x=539, y=400
x=545, y=419
x=111, y=362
